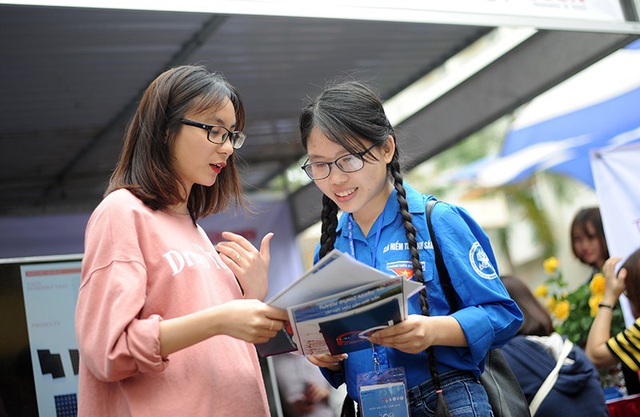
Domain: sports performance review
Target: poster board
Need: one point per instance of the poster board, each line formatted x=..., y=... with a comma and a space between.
x=38, y=351
x=50, y=291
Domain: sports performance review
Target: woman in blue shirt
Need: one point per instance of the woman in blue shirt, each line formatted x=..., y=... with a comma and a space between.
x=354, y=161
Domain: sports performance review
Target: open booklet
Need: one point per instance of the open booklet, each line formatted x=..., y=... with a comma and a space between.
x=336, y=305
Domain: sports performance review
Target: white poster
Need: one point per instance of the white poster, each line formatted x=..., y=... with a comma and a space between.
x=50, y=295
x=616, y=173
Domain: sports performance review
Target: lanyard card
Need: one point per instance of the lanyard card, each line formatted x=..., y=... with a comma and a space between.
x=383, y=393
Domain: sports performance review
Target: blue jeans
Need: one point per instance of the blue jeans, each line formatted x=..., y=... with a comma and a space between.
x=464, y=393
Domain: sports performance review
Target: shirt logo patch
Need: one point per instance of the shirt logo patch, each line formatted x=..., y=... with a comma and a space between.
x=402, y=268
x=480, y=262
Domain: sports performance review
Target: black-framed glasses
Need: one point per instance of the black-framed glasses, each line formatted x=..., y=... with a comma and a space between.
x=347, y=163
x=219, y=134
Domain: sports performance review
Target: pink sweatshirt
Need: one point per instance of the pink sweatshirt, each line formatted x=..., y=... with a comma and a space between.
x=142, y=266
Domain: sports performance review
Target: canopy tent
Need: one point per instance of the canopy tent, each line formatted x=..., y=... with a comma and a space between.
x=556, y=131
x=73, y=71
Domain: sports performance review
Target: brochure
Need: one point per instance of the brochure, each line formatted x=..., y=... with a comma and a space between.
x=335, y=305
x=342, y=323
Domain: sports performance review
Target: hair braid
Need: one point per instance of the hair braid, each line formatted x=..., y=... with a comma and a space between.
x=329, y=219
x=442, y=409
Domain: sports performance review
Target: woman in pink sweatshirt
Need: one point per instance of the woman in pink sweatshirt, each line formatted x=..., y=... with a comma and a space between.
x=165, y=322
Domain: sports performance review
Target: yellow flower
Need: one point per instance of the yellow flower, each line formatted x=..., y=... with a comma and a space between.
x=561, y=310
x=551, y=303
x=594, y=300
x=597, y=284
x=550, y=265
x=541, y=291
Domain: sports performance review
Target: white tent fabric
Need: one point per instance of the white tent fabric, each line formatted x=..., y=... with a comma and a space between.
x=556, y=131
x=617, y=180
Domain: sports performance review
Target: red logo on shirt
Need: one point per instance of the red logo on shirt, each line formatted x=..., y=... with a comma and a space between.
x=401, y=268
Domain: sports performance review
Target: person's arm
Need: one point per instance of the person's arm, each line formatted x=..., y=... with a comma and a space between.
x=596, y=348
x=250, y=320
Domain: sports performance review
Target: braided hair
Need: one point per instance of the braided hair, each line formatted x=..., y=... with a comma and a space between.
x=345, y=113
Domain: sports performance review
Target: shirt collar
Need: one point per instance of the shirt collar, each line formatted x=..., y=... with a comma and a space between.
x=415, y=200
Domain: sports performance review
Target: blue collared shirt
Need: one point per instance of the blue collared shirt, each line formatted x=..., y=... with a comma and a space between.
x=487, y=315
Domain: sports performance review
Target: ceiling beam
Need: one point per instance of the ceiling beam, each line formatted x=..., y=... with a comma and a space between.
x=210, y=26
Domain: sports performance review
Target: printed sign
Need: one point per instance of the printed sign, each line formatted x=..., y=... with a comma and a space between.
x=50, y=296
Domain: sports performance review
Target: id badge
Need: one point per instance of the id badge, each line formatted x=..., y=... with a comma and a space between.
x=383, y=393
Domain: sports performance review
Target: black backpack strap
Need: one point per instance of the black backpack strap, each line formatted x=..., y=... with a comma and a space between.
x=443, y=273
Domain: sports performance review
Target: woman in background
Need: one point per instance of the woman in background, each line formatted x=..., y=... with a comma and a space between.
x=588, y=241
x=589, y=245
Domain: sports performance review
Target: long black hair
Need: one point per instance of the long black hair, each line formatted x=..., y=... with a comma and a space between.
x=347, y=112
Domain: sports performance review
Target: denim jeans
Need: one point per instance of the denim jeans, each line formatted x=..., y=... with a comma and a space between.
x=464, y=393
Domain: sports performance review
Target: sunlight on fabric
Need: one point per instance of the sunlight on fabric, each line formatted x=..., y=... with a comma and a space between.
x=506, y=169
x=556, y=131
x=608, y=78
x=454, y=71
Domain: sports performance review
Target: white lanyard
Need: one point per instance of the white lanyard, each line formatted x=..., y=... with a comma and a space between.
x=375, y=246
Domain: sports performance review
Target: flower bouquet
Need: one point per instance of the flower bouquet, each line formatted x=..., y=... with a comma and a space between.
x=573, y=312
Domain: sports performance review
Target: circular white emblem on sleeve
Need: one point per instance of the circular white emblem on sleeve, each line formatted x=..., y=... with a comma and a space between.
x=480, y=262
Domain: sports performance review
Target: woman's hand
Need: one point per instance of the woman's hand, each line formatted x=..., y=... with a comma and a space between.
x=250, y=320
x=331, y=362
x=250, y=266
x=419, y=332
x=614, y=285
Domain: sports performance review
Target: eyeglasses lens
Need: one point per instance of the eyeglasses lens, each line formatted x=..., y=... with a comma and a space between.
x=350, y=163
x=220, y=134
x=321, y=170
x=318, y=171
